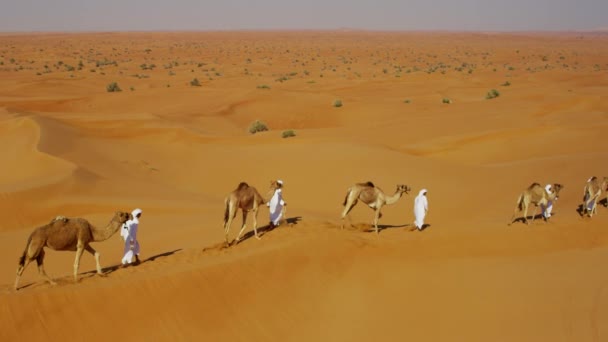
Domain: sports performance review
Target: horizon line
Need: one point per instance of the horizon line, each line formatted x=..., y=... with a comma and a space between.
x=294, y=30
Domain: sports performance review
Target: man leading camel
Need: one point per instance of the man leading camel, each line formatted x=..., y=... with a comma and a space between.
x=276, y=205
x=421, y=207
x=129, y=233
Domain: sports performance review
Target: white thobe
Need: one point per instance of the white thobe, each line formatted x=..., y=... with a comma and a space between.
x=130, y=239
x=421, y=206
x=276, y=205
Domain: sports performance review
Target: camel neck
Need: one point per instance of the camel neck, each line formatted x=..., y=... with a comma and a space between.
x=105, y=233
x=394, y=198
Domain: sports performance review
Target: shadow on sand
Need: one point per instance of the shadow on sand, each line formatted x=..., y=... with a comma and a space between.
x=108, y=270
x=290, y=222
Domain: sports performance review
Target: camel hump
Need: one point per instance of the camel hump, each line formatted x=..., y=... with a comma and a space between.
x=533, y=185
x=242, y=185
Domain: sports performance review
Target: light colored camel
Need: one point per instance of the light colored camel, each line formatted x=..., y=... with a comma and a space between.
x=246, y=198
x=67, y=234
x=591, y=194
x=537, y=195
x=373, y=196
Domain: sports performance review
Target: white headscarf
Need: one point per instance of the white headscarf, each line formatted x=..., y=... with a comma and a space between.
x=136, y=212
x=548, y=188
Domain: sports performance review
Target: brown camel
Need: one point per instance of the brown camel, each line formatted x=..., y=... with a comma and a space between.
x=591, y=194
x=246, y=198
x=67, y=234
x=373, y=196
x=537, y=195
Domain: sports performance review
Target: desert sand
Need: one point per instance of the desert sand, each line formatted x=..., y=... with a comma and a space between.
x=69, y=147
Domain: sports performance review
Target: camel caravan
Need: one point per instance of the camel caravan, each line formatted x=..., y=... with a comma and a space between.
x=76, y=234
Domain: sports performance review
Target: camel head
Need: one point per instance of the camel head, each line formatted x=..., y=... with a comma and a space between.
x=403, y=188
x=556, y=188
x=122, y=217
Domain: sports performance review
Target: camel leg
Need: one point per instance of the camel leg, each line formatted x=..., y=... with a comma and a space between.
x=376, y=218
x=228, y=223
x=347, y=208
x=526, y=213
x=79, y=250
x=90, y=249
x=534, y=212
x=238, y=237
x=40, y=261
x=20, y=270
x=255, y=223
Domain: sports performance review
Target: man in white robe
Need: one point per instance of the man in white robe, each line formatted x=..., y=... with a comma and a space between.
x=421, y=206
x=276, y=205
x=129, y=234
x=547, y=211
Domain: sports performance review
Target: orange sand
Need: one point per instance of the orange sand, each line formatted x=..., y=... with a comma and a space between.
x=67, y=146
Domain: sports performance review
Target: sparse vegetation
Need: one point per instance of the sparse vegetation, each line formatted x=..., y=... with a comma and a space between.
x=195, y=83
x=113, y=87
x=263, y=86
x=338, y=103
x=288, y=133
x=506, y=84
x=407, y=101
x=446, y=100
x=492, y=94
x=257, y=126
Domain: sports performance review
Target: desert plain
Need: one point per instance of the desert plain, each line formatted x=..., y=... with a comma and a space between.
x=414, y=110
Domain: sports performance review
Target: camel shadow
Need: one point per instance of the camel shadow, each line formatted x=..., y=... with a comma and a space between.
x=382, y=227
x=110, y=269
x=263, y=230
x=537, y=217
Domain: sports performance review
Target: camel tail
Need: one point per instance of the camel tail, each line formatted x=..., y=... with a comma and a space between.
x=346, y=197
x=27, y=246
x=520, y=202
x=227, y=210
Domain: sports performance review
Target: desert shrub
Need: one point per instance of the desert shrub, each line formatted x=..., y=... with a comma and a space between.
x=492, y=94
x=506, y=84
x=338, y=103
x=288, y=133
x=407, y=101
x=446, y=100
x=195, y=83
x=263, y=86
x=113, y=87
x=257, y=126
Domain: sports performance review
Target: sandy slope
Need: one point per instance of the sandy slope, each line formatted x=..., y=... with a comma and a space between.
x=69, y=147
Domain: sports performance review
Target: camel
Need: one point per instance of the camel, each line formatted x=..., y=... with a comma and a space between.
x=246, y=198
x=373, y=196
x=592, y=192
x=67, y=234
x=537, y=195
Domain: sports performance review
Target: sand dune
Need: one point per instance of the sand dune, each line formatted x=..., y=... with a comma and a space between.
x=69, y=147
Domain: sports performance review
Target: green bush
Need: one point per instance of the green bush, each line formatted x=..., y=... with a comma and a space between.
x=506, y=84
x=257, y=126
x=492, y=94
x=288, y=133
x=113, y=87
x=338, y=103
x=263, y=86
x=446, y=100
